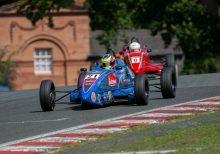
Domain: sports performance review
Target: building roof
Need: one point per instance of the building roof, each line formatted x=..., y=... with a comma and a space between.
x=76, y=7
x=155, y=43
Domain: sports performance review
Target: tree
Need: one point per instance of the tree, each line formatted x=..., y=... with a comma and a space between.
x=196, y=32
x=6, y=69
x=110, y=16
x=36, y=10
x=188, y=20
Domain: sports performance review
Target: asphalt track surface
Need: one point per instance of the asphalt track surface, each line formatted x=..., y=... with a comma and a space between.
x=21, y=115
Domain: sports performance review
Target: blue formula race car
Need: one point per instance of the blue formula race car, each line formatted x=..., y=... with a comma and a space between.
x=104, y=85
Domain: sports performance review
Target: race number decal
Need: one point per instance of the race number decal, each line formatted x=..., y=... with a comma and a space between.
x=92, y=76
x=89, y=80
x=135, y=59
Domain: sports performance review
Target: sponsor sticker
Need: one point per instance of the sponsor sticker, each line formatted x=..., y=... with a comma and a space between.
x=105, y=98
x=99, y=97
x=109, y=95
x=89, y=80
x=112, y=80
x=93, y=97
x=135, y=59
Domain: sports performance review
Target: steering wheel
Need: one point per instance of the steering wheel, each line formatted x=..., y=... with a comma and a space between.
x=111, y=51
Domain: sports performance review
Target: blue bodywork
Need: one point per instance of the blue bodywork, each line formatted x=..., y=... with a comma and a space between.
x=101, y=87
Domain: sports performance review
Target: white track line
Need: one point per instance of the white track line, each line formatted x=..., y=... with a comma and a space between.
x=96, y=130
x=188, y=109
x=98, y=122
x=29, y=148
x=145, y=152
x=64, y=139
x=162, y=114
x=207, y=103
x=38, y=121
x=199, y=108
x=135, y=121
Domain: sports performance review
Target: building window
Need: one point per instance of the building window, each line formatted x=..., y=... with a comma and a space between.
x=43, y=61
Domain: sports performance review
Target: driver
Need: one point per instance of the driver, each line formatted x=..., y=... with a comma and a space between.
x=108, y=61
x=135, y=47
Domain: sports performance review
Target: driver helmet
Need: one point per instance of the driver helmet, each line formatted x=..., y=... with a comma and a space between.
x=108, y=61
x=135, y=47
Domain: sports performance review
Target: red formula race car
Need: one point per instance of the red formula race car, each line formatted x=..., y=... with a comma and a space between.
x=139, y=61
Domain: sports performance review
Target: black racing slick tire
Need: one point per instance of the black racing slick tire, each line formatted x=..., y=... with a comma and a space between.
x=141, y=89
x=80, y=83
x=47, y=95
x=168, y=82
x=170, y=60
x=80, y=79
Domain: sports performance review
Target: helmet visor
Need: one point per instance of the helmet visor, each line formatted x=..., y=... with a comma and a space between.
x=135, y=50
x=106, y=64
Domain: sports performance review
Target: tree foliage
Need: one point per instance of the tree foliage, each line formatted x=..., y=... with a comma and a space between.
x=110, y=16
x=35, y=10
x=187, y=20
x=196, y=32
x=6, y=69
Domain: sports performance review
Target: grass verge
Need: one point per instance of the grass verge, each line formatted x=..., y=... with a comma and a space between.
x=194, y=134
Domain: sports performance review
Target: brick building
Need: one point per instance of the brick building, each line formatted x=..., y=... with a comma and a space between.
x=41, y=52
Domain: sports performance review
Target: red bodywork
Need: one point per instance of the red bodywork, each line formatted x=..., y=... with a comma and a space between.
x=140, y=62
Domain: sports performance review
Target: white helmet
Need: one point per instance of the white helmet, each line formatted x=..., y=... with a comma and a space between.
x=135, y=47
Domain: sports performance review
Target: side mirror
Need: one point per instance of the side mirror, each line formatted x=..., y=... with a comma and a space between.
x=118, y=67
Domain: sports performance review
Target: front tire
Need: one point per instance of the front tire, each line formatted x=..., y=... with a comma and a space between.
x=141, y=89
x=80, y=79
x=168, y=82
x=47, y=95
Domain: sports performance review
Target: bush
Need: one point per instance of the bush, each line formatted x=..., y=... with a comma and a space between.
x=6, y=69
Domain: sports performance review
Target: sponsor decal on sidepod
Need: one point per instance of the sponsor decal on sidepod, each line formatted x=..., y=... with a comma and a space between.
x=112, y=80
x=93, y=97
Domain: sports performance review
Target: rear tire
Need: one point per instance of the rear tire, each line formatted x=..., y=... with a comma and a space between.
x=170, y=60
x=141, y=89
x=168, y=82
x=47, y=95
